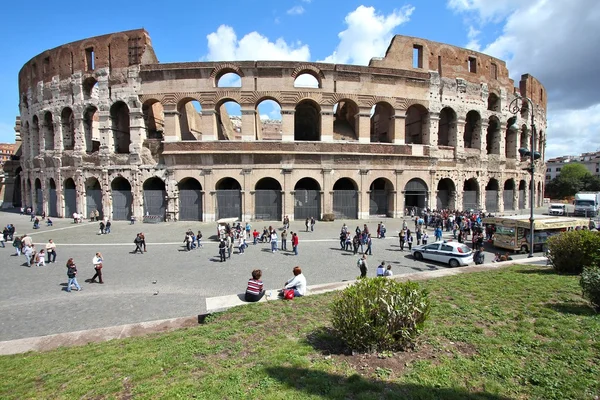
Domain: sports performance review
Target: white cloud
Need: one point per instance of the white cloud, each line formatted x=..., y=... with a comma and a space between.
x=486, y=10
x=368, y=35
x=472, y=35
x=296, y=10
x=223, y=45
x=264, y=117
x=569, y=130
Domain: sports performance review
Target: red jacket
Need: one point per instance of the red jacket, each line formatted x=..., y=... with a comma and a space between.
x=295, y=240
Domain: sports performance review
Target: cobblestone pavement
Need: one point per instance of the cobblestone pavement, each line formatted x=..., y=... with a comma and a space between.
x=33, y=301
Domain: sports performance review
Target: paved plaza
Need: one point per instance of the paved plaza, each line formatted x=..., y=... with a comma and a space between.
x=33, y=301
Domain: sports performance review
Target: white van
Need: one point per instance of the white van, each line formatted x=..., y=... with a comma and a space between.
x=557, y=209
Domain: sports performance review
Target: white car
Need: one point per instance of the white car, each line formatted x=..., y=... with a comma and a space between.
x=452, y=253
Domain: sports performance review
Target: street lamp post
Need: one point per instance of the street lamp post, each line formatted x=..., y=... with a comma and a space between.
x=518, y=105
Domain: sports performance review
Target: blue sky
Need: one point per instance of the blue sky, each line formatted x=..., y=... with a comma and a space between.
x=540, y=37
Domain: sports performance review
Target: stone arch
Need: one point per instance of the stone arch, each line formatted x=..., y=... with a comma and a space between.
x=307, y=121
x=415, y=124
x=190, y=199
x=93, y=197
x=89, y=87
x=508, y=194
x=52, y=198
x=223, y=69
x=268, y=119
x=190, y=119
x=121, y=136
x=67, y=120
x=524, y=139
x=345, y=120
x=493, y=102
x=268, y=200
x=154, y=119
x=307, y=199
x=345, y=198
x=522, y=194
x=122, y=199
x=493, y=135
x=308, y=69
x=491, y=195
x=35, y=136
x=446, y=192
x=18, y=192
x=48, y=131
x=472, y=135
x=382, y=123
x=447, y=127
x=471, y=194
x=229, y=80
x=155, y=197
x=91, y=129
x=416, y=194
x=70, y=197
x=229, y=198
x=229, y=119
x=39, y=197
x=308, y=76
x=512, y=139
x=381, y=198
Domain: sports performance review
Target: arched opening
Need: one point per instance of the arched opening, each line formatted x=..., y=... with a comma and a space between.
x=229, y=198
x=90, y=88
x=91, y=129
x=52, y=199
x=414, y=125
x=493, y=102
x=190, y=200
x=155, y=197
x=382, y=123
x=472, y=136
x=447, y=127
x=307, y=80
x=17, y=193
x=190, y=119
x=491, y=196
x=70, y=197
x=524, y=142
x=229, y=120
x=67, y=121
x=154, y=119
x=35, y=136
x=512, y=137
x=229, y=79
x=93, y=197
x=345, y=199
x=446, y=191
x=268, y=120
x=345, y=120
x=122, y=199
x=267, y=200
x=28, y=195
x=307, y=199
x=39, y=197
x=493, y=136
x=48, y=131
x=119, y=116
x=381, y=198
x=522, y=194
x=307, y=121
x=471, y=195
x=508, y=194
x=415, y=195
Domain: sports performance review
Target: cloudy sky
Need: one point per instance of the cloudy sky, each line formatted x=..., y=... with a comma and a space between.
x=554, y=40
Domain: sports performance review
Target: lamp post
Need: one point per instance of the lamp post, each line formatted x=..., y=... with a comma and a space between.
x=518, y=105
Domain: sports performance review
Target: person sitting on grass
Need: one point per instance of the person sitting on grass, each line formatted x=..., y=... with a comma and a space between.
x=297, y=283
x=254, y=291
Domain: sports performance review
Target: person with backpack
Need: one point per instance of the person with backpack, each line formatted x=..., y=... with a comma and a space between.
x=362, y=266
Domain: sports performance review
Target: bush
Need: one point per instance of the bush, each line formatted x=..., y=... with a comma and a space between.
x=378, y=314
x=328, y=217
x=570, y=252
x=590, y=284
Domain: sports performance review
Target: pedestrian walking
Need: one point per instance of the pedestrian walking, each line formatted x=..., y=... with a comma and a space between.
x=28, y=253
x=306, y=223
x=409, y=241
x=72, y=275
x=362, y=266
x=138, y=244
x=312, y=224
x=222, y=247
x=284, y=236
x=143, y=237
x=98, y=262
x=107, y=226
x=17, y=244
x=273, y=241
x=295, y=241
x=229, y=244
x=369, y=245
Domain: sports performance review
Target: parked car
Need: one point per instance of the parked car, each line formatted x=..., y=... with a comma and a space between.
x=454, y=254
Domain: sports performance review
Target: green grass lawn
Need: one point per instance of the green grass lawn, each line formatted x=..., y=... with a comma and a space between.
x=516, y=333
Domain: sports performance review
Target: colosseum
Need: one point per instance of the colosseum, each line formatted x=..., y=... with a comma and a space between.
x=105, y=126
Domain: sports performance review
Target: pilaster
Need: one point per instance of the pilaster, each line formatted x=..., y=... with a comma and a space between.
x=249, y=116
x=172, y=130
x=287, y=125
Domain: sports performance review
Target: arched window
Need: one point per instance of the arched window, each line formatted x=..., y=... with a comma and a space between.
x=91, y=129
x=447, y=127
x=119, y=115
x=493, y=136
x=307, y=80
x=345, y=120
x=229, y=120
x=268, y=120
x=68, y=129
x=229, y=79
x=382, y=123
x=472, y=136
x=415, y=124
x=154, y=119
x=307, y=121
x=190, y=119
x=48, y=131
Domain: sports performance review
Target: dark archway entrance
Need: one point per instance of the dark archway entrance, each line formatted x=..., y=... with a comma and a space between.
x=39, y=197
x=508, y=194
x=52, y=199
x=93, y=197
x=470, y=192
x=307, y=121
x=229, y=199
x=307, y=199
x=445, y=194
x=522, y=190
x=70, y=194
x=122, y=199
x=190, y=200
x=491, y=196
x=155, y=197
x=381, y=198
x=415, y=194
x=267, y=200
x=345, y=199
x=17, y=202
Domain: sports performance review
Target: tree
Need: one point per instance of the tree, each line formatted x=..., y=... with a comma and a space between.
x=573, y=178
x=573, y=172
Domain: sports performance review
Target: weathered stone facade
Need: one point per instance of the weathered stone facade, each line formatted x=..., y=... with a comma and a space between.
x=106, y=126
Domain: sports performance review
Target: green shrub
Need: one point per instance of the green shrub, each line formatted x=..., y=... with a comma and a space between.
x=590, y=284
x=570, y=252
x=378, y=314
x=328, y=217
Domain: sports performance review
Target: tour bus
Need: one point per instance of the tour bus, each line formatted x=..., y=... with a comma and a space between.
x=512, y=232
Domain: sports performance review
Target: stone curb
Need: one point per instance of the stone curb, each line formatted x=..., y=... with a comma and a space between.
x=213, y=304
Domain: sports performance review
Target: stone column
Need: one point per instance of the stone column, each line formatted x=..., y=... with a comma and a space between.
x=502, y=144
x=433, y=126
x=458, y=200
x=79, y=133
x=249, y=116
x=210, y=196
x=481, y=131
x=363, y=194
x=364, y=125
x=500, y=199
x=287, y=124
x=287, y=193
x=398, y=195
x=327, y=192
x=516, y=198
x=105, y=186
x=209, y=125
x=107, y=145
x=137, y=203
x=247, y=195
x=400, y=127
x=172, y=129
x=326, y=126
x=58, y=139
x=137, y=134
x=456, y=137
x=481, y=197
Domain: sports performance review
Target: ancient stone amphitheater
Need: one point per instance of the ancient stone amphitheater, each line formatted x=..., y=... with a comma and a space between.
x=105, y=126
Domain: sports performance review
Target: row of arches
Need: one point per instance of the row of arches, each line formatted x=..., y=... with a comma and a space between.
x=308, y=197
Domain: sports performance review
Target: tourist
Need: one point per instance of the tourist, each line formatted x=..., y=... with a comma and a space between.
x=72, y=275
x=424, y=238
x=222, y=247
x=363, y=266
x=402, y=239
x=284, y=236
x=199, y=238
x=51, y=251
x=295, y=241
x=312, y=224
x=17, y=245
x=479, y=256
x=380, y=269
x=138, y=244
x=273, y=241
x=28, y=253
x=241, y=244
x=40, y=259
x=306, y=223
x=409, y=240
x=107, y=226
x=97, y=261
x=255, y=235
x=369, y=245
x=382, y=231
x=143, y=238
x=297, y=283
x=254, y=290
x=286, y=222
x=36, y=223
x=49, y=222
x=229, y=244
x=102, y=227
x=388, y=271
